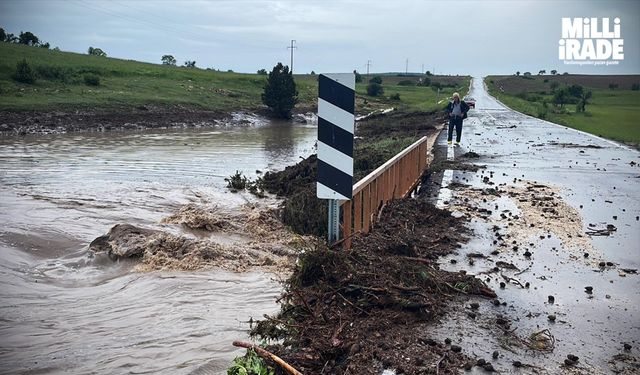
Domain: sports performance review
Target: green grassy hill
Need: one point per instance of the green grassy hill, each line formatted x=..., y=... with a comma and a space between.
x=612, y=113
x=125, y=84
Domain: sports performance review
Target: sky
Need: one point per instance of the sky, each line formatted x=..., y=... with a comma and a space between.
x=444, y=37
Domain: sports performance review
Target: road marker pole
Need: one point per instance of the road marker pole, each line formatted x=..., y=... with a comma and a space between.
x=336, y=122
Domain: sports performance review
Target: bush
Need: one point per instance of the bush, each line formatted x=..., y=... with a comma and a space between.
x=376, y=79
x=91, y=80
x=426, y=81
x=24, y=73
x=395, y=96
x=374, y=89
x=54, y=73
x=635, y=87
x=236, y=181
x=280, y=93
x=613, y=86
x=406, y=82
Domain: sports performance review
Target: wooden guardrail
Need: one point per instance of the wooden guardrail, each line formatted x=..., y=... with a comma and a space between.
x=396, y=178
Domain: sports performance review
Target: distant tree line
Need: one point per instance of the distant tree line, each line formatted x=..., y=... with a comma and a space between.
x=25, y=37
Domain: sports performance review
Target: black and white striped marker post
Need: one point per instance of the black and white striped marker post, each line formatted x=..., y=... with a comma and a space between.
x=336, y=108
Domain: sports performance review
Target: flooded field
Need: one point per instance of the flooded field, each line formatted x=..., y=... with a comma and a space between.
x=64, y=311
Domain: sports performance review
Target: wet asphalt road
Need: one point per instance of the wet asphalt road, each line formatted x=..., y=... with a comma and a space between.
x=600, y=179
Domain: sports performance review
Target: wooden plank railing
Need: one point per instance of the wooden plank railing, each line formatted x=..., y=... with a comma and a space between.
x=396, y=178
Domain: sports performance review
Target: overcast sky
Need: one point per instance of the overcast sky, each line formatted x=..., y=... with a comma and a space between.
x=448, y=37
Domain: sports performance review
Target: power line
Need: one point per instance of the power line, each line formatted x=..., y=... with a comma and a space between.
x=113, y=13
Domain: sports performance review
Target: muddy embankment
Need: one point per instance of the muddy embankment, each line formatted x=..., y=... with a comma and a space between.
x=143, y=117
x=378, y=139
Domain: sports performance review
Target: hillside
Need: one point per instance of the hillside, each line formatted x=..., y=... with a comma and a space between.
x=611, y=112
x=159, y=95
x=125, y=83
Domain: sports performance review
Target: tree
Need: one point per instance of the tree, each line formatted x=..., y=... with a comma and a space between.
x=3, y=35
x=262, y=72
x=168, y=60
x=24, y=73
x=10, y=38
x=554, y=72
x=376, y=79
x=584, y=100
x=190, y=64
x=575, y=90
x=27, y=38
x=374, y=89
x=280, y=93
x=96, y=52
x=518, y=73
x=542, y=72
x=428, y=73
x=561, y=97
x=45, y=45
x=526, y=74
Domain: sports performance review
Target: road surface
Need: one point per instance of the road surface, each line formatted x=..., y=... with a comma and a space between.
x=591, y=183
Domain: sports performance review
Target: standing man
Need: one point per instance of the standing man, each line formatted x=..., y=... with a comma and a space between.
x=457, y=110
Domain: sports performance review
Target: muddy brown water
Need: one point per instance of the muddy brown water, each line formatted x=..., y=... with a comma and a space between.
x=63, y=311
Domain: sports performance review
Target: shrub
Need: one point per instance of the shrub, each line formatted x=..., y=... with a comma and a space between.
x=374, y=89
x=236, y=181
x=406, y=82
x=91, y=80
x=395, y=96
x=24, y=73
x=376, y=79
x=426, y=81
x=635, y=87
x=613, y=86
x=54, y=73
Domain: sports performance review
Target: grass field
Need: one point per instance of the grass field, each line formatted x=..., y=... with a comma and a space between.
x=613, y=113
x=129, y=84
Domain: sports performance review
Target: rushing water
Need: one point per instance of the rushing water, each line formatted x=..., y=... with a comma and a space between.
x=62, y=311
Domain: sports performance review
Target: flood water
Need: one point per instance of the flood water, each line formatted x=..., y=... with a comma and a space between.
x=62, y=311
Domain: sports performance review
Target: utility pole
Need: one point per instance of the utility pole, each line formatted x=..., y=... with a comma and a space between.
x=422, y=71
x=406, y=68
x=368, y=65
x=292, y=47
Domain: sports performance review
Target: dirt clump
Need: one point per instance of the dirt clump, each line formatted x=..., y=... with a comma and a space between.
x=366, y=309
